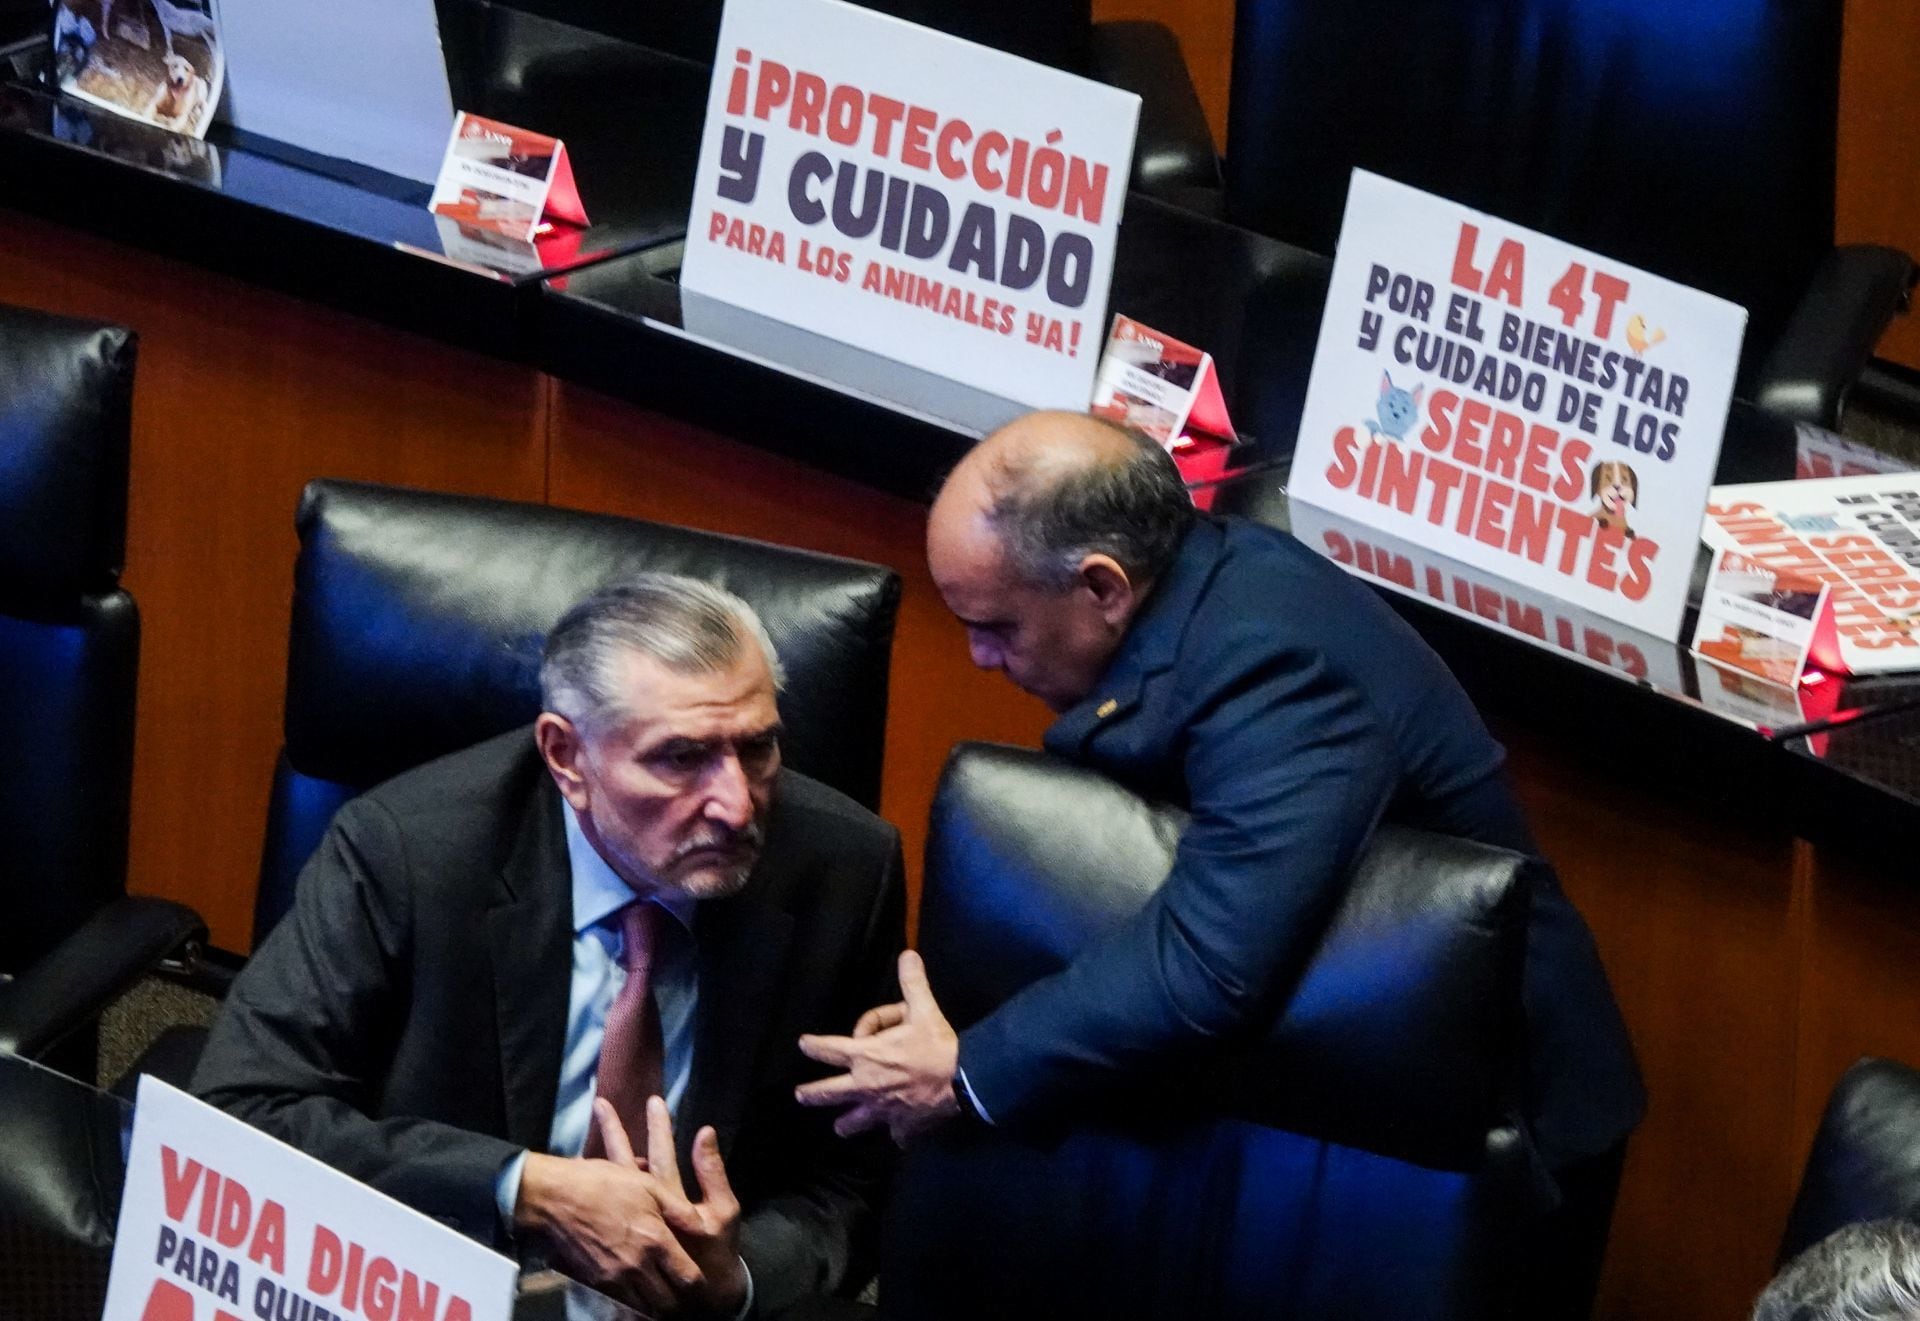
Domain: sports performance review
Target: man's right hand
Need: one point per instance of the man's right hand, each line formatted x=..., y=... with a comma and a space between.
x=708, y=1229
x=605, y=1223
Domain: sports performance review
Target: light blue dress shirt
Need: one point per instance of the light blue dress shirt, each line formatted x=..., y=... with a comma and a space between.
x=598, y=975
x=598, y=894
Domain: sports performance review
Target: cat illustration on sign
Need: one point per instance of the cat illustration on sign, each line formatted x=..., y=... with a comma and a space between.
x=1399, y=409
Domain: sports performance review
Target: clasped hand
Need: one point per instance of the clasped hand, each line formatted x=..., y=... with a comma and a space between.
x=625, y=1225
x=899, y=1064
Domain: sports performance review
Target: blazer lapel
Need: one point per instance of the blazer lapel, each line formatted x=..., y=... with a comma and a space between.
x=531, y=931
x=742, y=954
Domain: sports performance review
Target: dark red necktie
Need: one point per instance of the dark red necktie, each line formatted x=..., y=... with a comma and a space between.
x=632, y=1053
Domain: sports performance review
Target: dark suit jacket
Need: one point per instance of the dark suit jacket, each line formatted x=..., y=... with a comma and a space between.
x=405, y=1023
x=1291, y=710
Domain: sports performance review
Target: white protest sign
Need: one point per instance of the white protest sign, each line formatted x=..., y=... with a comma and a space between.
x=221, y=1221
x=1517, y=403
x=942, y=204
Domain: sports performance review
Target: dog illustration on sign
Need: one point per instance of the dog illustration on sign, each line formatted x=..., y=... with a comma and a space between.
x=1615, y=489
x=1399, y=409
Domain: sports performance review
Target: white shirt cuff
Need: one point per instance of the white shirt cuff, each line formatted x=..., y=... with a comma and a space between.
x=746, y=1307
x=973, y=1097
x=506, y=1190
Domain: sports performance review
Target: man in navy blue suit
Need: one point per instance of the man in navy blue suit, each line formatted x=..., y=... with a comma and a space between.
x=1219, y=664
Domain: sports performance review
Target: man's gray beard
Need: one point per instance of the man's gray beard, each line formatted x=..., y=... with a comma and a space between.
x=730, y=882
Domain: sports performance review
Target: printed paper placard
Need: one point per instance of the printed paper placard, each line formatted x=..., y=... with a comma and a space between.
x=1765, y=623
x=1753, y=701
x=221, y=1221
x=1488, y=599
x=503, y=179
x=159, y=62
x=1858, y=535
x=1821, y=453
x=939, y=203
x=1518, y=403
x=1155, y=384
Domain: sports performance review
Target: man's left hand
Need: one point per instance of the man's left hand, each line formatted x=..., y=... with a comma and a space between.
x=899, y=1064
x=709, y=1230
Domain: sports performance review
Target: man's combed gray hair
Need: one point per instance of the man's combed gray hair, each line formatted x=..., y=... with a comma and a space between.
x=689, y=626
x=1863, y=1272
x=1135, y=510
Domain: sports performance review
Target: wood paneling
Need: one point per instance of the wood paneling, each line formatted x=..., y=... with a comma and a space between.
x=1699, y=924
x=1861, y=994
x=1878, y=184
x=1878, y=188
x=1205, y=29
x=612, y=458
x=240, y=398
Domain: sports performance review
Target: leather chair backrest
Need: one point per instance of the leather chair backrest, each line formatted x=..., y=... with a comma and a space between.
x=1696, y=141
x=418, y=622
x=1355, y=1159
x=1053, y=32
x=61, y=1176
x=1865, y=1162
x=69, y=637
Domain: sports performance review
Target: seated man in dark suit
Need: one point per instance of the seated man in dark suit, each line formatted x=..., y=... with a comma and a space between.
x=1219, y=664
x=496, y=960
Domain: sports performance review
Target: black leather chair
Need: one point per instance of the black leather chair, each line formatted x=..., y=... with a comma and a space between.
x=69, y=651
x=61, y=1175
x=1355, y=1160
x=1865, y=1161
x=1695, y=141
x=1175, y=156
x=418, y=620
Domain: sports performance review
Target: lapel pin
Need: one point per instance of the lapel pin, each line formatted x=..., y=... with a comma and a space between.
x=1106, y=708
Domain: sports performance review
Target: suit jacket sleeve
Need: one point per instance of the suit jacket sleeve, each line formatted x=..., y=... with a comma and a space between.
x=301, y=1045
x=820, y=1235
x=1288, y=769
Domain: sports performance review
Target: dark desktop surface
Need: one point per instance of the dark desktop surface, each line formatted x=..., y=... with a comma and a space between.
x=612, y=316
x=355, y=237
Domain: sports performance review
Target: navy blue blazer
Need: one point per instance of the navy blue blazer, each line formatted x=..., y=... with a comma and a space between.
x=1290, y=710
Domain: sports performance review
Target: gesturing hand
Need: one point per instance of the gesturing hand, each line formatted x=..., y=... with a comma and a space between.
x=606, y=1226
x=899, y=1064
x=708, y=1230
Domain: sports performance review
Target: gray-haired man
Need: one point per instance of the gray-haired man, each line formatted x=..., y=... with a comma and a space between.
x=494, y=961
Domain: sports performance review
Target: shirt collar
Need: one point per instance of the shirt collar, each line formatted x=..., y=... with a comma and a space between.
x=598, y=891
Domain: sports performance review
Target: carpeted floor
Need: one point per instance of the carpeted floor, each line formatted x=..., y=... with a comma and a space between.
x=137, y=1017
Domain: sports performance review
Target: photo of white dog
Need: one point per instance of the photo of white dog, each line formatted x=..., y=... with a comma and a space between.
x=154, y=60
x=181, y=102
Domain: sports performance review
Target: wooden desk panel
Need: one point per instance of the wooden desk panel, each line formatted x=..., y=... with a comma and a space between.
x=1699, y=924
x=241, y=397
x=1860, y=994
x=610, y=457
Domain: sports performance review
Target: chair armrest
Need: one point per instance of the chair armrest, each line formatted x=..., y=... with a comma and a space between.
x=81, y=975
x=1830, y=337
x=1174, y=152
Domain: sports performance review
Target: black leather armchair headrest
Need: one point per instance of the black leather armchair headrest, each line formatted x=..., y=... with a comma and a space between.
x=66, y=399
x=1865, y=1162
x=418, y=621
x=1402, y=1037
x=419, y=618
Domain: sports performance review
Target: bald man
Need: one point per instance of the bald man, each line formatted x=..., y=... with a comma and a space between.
x=1221, y=664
